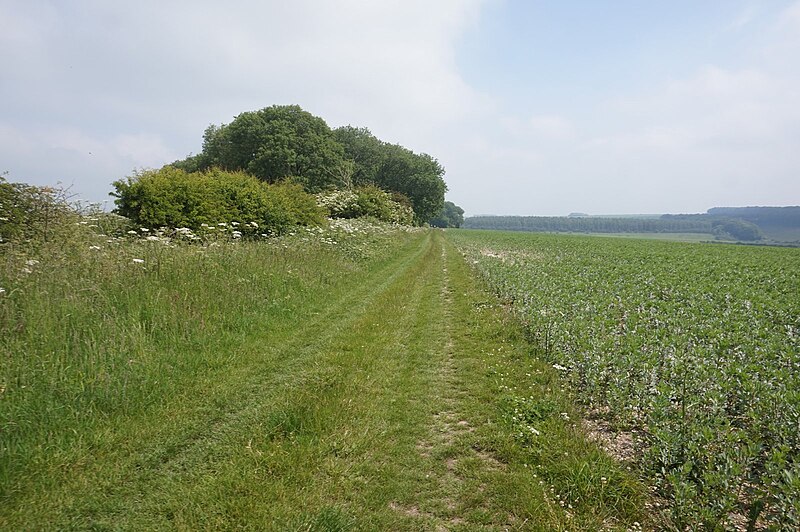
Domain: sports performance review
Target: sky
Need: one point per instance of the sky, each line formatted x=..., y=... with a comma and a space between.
x=533, y=107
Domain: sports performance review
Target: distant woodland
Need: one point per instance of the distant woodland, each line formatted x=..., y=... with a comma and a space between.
x=746, y=224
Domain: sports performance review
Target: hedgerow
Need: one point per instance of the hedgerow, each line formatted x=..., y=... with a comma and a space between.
x=171, y=197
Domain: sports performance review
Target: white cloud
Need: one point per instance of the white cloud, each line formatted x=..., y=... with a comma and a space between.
x=720, y=136
x=138, y=83
x=74, y=158
x=552, y=127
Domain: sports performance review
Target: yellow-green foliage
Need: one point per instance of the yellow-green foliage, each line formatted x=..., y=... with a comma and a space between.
x=171, y=197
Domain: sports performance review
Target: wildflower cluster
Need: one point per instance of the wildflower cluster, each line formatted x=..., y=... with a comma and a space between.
x=369, y=201
x=343, y=203
x=358, y=238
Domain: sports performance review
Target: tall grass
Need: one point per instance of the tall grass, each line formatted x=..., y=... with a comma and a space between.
x=95, y=327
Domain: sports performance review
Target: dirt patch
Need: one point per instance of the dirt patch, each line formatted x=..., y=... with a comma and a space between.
x=410, y=511
x=623, y=446
x=490, y=461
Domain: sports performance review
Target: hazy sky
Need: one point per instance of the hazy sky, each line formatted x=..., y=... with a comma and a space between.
x=533, y=107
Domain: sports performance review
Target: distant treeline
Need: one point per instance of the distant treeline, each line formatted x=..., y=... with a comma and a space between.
x=748, y=224
x=563, y=224
x=763, y=217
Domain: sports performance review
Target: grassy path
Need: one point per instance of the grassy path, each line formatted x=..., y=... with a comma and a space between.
x=385, y=408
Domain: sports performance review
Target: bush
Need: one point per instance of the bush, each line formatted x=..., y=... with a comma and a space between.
x=31, y=213
x=367, y=201
x=171, y=197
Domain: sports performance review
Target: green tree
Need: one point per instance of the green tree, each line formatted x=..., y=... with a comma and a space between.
x=451, y=216
x=275, y=143
x=395, y=168
x=284, y=142
x=419, y=177
x=364, y=149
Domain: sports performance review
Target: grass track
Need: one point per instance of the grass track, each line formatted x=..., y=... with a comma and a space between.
x=384, y=408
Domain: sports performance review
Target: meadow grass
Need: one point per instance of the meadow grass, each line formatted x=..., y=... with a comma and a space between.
x=328, y=380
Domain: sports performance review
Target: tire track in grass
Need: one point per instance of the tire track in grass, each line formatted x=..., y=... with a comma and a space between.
x=458, y=498
x=174, y=438
x=349, y=451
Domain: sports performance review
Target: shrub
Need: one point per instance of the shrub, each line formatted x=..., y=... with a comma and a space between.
x=367, y=201
x=289, y=205
x=31, y=213
x=171, y=197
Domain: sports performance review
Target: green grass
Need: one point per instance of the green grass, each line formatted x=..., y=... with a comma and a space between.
x=316, y=382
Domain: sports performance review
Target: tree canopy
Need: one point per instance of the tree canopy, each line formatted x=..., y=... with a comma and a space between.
x=392, y=167
x=451, y=216
x=281, y=142
x=272, y=144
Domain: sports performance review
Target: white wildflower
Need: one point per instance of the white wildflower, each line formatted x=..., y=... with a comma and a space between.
x=559, y=367
x=132, y=232
x=138, y=261
x=236, y=234
x=94, y=247
x=144, y=229
x=152, y=238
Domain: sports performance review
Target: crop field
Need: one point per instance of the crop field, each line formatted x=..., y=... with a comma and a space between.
x=677, y=237
x=690, y=351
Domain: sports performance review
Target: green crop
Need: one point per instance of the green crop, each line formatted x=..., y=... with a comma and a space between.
x=694, y=347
